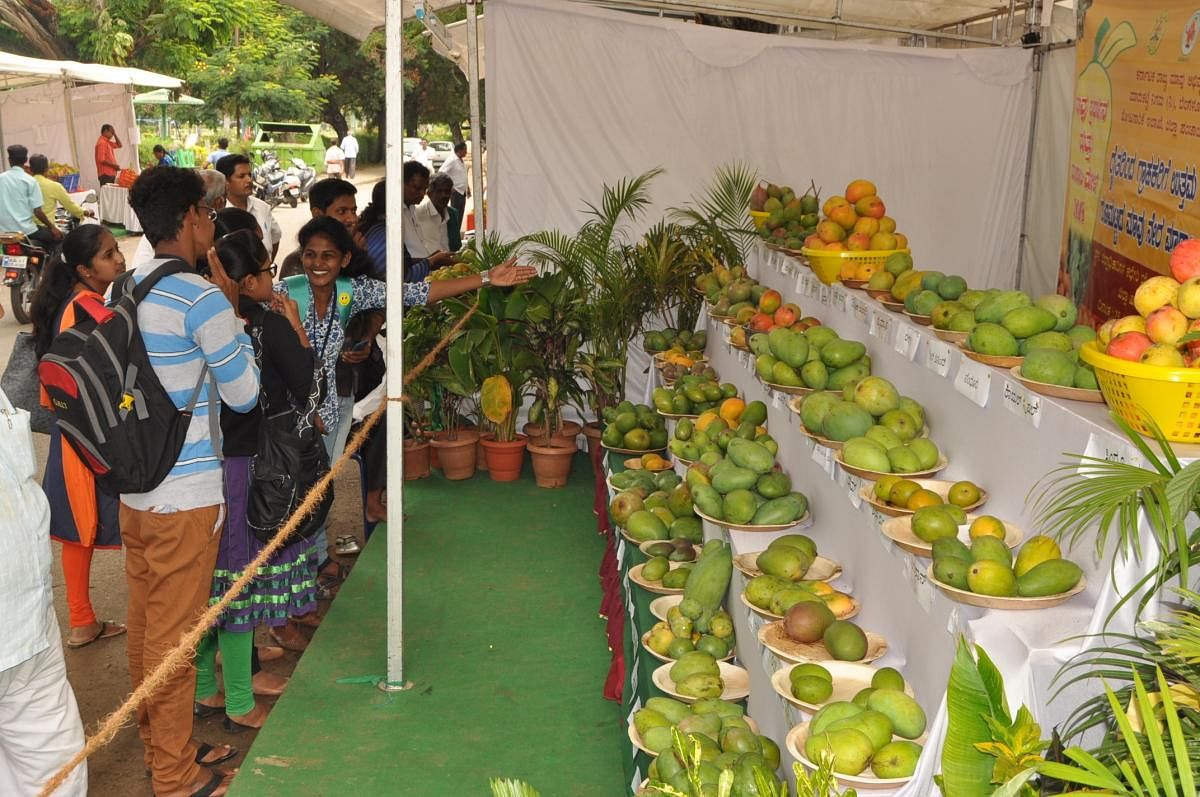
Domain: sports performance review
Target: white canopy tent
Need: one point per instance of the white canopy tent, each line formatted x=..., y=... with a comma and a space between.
x=57, y=108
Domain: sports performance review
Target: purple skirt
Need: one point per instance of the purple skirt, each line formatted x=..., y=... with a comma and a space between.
x=285, y=587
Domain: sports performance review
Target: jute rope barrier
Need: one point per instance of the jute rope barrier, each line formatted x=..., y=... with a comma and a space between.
x=185, y=649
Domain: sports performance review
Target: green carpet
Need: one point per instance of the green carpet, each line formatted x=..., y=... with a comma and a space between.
x=502, y=643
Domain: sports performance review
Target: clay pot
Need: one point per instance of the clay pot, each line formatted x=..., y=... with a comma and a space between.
x=456, y=457
x=416, y=459
x=592, y=431
x=480, y=453
x=504, y=460
x=552, y=463
x=566, y=436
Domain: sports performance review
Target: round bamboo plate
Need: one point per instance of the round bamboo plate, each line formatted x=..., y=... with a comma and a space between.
x=636, y=464
x=822, y=569
x=923, y=320
x=874, y=474
x=631, y=540
x=795, y=741
x=646, y=545
x=804, y=520
x=615, y=450
x=773, y=639
x=857, y=285
x=849, y=678
x=668, y=660
x=636, y=738
x=671, y=416
x=635, y=575
x=699, y=356
x=1058, y=391
x=660, y=606
x=942, y=488
x=1013, y=603
x=893, y=305
x=770, y=615
x=836, y=445
x=791, y=390
x=742, y=348
x=736, y=679
x=951, y=336
x=994, y=360
x=899, y=530
x=880, y=295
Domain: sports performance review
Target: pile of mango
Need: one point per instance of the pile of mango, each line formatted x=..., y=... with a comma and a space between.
x=743, y=487
x=907, y=494
x=451, y=272
x=782, y=584
x=937, y=521
x=1011, y=323
x=790, y=218
x=708, y=437
x=809, y=621
x=726, y=743
x=673, y=372
x=879, y=429
x=875, y=731
x=731, y=292
x=987, y=566
x=658, y=568
x=921, y=291
x=856, y=222
x=772, y=312
x=677, y=635
x=815, y=358
x=635, y=427
x=655, y=507
x=670, y=339
x=692, y=395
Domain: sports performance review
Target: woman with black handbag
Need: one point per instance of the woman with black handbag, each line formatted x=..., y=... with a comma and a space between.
x=271, y=455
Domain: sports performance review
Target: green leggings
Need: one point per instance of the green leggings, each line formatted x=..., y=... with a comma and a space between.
x=236, y=650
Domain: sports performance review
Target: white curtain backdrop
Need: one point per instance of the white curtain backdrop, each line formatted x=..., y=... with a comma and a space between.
x=1048, y=180
x=578, y=97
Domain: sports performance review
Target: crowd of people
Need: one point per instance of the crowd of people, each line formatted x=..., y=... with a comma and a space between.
x=254, y=349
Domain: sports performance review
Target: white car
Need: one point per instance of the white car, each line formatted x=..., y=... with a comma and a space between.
x=409, y=147
x=442, y=152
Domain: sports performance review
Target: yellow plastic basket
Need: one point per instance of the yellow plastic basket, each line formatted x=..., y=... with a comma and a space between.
x=759, y=217
x=828, y=265
x=1171, y=396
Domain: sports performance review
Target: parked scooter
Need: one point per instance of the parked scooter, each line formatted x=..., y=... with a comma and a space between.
x=23, y=262
x=306, y=174
x=269, y=180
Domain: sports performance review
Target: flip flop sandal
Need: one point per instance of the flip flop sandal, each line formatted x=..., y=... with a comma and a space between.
x=233, y=726
x=215, y=782
x=346, y=545
x=108, y=629
x=204, y=748
x=201, y=710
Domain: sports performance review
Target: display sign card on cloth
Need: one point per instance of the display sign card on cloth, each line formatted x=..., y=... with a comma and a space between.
x=823, y=456
x=823, y=294
x=786, y=267
x=1021, y=401
x=974, y=380
x=1135, y=131
x=881, y=325
x=915, y=571
x=837, y=297
x=853, y=484
x=908, y=340
x=937, y=356
x=860, y=308
x=1102, y=445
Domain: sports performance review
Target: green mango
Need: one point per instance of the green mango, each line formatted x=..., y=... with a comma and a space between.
x=773, y=485
x=995, y=306
x=1025, y=322
x=750, y=455
x=727, y=476
x=643, y=526
x=990, y=338
x=707, y=500
x=907, y=716
x=840, y=353
x=1051, y=577
x=739, y=506
x=844, y=420
x=1050, y=366
x=780, y=510
x=814, y=375
x=788, y=346
x=848, y=375
x=815, y=407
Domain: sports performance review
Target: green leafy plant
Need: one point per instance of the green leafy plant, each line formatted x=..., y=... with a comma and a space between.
x=512, y=788
x=598, y=263
x=554, y=332
x=1114, y=496
x=976, y=708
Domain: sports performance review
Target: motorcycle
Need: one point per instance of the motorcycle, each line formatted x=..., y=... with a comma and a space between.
x=306, y=174
x=269, y=181
x=22, y=262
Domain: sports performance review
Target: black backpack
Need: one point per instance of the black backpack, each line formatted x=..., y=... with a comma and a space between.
x=108, y=402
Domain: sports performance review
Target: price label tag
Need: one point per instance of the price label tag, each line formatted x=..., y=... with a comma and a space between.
x=920, y=583
x=853, y=485
x=877, y=517
x=937, y=356
x=907, y=340
x=838, y=296
x=812, y=285
x=1023, y=403
x=881, y=325
x=785, y=267
x=861, y=310
x=801, y=284
x=1111, y=448
x=974, y=380
x=824, y=458
x=778, y=399
x=823, y=294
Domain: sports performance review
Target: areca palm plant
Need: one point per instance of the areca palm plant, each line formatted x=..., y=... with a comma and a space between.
x=598, y=263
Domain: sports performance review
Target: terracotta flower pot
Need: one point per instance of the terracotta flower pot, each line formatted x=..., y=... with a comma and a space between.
x=480, y=453
x=504, y=460
x=552, y=463
x=536, y=432
x=457, y=457
x=416, y=459
x=592, y=431
x=434, y=454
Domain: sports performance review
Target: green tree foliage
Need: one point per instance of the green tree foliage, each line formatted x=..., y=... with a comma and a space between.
x=435, y=90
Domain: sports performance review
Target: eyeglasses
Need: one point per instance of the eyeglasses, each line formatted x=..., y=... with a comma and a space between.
x=272, y=270
x=212, y=214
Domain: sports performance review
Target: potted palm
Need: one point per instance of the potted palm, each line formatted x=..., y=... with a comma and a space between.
x=456, y=447
x=554, y=333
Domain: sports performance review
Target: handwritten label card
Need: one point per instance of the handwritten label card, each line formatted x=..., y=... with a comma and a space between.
x=974, y=380
x=837, y=297
x=860, y=309
x=1023, y=403
x=779, y=399
x=919, y=581
x=1111, y=448
x=823, y=456
x=786, y=267
x=853, y=484
x=937, y=356
x=881, y=325
x=908, y=339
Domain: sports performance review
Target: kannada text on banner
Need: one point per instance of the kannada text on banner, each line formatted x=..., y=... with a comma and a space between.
x=1135, y=149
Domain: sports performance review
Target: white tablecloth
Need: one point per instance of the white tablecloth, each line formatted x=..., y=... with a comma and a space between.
x=114, y=207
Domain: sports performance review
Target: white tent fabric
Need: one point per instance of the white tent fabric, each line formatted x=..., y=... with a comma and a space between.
x=16, y=70
x=942, y=133
x=359, y=17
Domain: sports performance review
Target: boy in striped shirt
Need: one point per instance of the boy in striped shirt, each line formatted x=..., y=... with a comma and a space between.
x=171, y=533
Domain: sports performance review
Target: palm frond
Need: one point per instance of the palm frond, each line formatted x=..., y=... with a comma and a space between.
x=718, y=219
x=512, y=788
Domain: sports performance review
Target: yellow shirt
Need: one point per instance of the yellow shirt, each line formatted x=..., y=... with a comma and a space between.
x=53, y=193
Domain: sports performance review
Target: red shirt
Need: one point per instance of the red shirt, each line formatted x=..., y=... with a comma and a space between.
x=105, y=151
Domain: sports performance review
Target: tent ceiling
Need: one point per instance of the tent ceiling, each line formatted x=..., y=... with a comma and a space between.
x=18, y=70
x=359, y=17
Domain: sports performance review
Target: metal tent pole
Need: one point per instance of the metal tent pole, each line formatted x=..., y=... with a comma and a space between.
x=394, y=163
x=473, y=97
